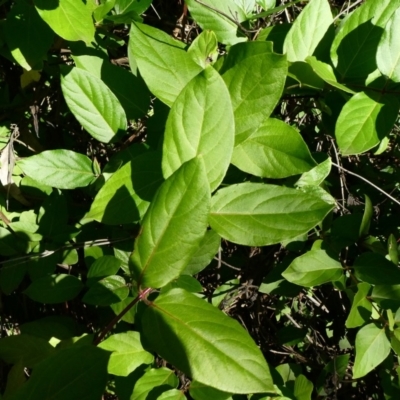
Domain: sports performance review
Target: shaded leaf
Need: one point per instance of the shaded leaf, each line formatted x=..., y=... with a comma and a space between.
x=361, y=308
x=313, y=268
x=173, y=226
x=200, y=391
x=103, y=267
x=375, y=269
x=62, y=169
x=93, y=104
x=274, y=150
x=109, y=290
x=201, y=123
x=256, y=214
x=190, y=326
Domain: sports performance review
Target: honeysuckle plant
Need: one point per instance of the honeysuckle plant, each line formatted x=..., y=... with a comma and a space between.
x=133, y=158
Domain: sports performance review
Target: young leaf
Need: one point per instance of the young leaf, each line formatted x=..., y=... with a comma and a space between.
x=62, y=169
x=127, y=353
x=375, y=269
x=27, y=36
x=93, y=104
x=256, y=214
x=173, y=226
x=255, y=77
x=179, y=326
x=204, y=49
x=206, y=251
x=213, y=15
x=54, y=289
x=125, y=197
x=365, y=120
x=361, y=308
x=163, y=63
x=107, y=291
x=201, y=123
x=273, y=150
x=70, y=19
x=76, y=372
x=155, y=381
x=308, y=30
x=388, y=53
x=367, y=216
x=372, y=347
x=316, y=175
x=103, y=267
x=312, y=269
x=303, y=388
x=393, y=250
x=354, y=48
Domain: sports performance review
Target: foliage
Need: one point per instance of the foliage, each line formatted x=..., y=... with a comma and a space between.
x=205, y=211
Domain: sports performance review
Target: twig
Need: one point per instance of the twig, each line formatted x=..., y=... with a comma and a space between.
x=369, y=183
x=228, y=265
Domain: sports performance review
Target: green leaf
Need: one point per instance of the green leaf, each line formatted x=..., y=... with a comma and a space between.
x=25, y=349
x=110, y=290
x=204, y=49
x=354, y=48
x=213, y=18
x=70, y=19
x=12, y=274
x=127, y=353
x=206, y=251
x=372, y=347
x=313, y=268
x=388, y=53
x=325, y=72
x=200, y=391
x=54, y=289
x=307, y=30
x=172, y=394
x=137, y=6
x=201, y=123
x=125, y=197
x=7, y=243
x=27, y=36
x=375, y=269
x=173, y=226
x=255, y=77
x=163, y=63
x=103, y=267
x=186, y=282
x=62, y=169
x=179, y=326
x=302, y=388
x=155, y=381
x=76, y=372
x=316, y=175
x=93, y=104
x=273, y=150
x=365, y=120
x=367, y=216
x=393, y=250
x=361, y=308
x=305, y=76
x=256, y=214
x=386, y=295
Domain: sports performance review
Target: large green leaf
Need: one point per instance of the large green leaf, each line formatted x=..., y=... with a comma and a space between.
x=361, y=308
x=155, y=381
x=125, y=197
x=365, y=120
x=388, y=54
x=375, y=269
x=25, y=349
x=199, y=391
x=313, y=268
x=62, y=169
x=70, y=19
x=76, y=372
x=274, y=150
x=173, y=226
x=255, y=77
x=308, y=30
x=257, y=214
x=163, y=63
x=180, y=326
x=372, y=347
x=201, y=123
x=93, y=104
x=127, y=353
x=213, y=18
x=27, y=36
x=354, y=48
x=54, y=289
